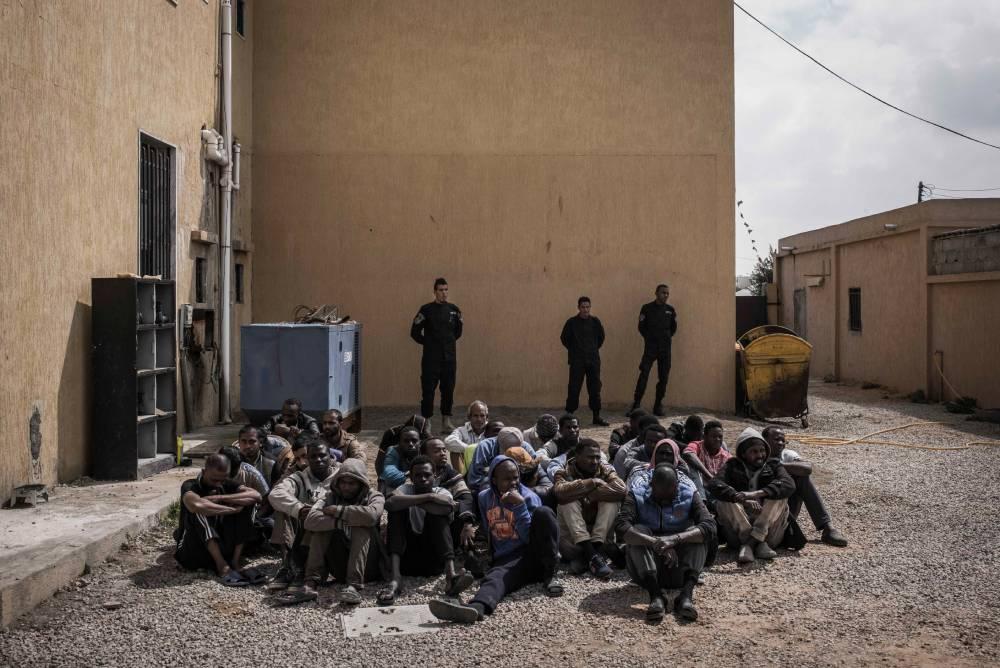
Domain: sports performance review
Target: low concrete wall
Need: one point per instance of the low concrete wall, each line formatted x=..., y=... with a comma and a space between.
x=964, y=252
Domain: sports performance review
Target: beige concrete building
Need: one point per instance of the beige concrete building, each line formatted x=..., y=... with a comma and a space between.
x=891, y=297
x=530, y=152
x=80, y=83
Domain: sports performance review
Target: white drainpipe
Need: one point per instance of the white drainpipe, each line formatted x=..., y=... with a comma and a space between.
x=225, y=237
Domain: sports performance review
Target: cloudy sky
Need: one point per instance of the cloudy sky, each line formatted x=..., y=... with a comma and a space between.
x=811, y=151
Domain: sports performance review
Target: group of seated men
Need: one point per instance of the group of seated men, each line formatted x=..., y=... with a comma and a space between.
x=491, y=502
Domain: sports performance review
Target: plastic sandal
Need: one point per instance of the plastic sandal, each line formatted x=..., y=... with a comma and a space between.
x=293, y=597
x=461, y=582
x=254, y=577
x=388, y=596
x=233, y=579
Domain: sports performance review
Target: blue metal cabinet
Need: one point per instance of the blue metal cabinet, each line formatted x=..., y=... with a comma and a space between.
x=317, y=364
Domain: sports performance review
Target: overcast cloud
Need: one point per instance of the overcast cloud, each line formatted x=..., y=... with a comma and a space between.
x=811, y=151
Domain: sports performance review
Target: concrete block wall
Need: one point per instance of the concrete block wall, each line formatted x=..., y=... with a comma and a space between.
x=964, y=252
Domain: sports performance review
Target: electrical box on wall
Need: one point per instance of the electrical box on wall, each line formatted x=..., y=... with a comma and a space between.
x=187, y=315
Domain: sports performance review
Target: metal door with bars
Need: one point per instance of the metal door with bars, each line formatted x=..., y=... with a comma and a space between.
x=156, y=208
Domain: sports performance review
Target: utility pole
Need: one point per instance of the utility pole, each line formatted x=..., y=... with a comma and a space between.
x=920, y=192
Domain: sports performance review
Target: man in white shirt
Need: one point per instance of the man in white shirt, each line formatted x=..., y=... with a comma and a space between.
x=468, y=435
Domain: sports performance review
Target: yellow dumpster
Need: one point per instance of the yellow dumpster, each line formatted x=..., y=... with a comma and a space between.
x=773, y=370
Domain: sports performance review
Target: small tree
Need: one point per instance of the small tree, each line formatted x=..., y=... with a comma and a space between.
x=762, y=274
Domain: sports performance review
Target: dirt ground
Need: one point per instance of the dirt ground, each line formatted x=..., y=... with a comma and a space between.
x=918, y=584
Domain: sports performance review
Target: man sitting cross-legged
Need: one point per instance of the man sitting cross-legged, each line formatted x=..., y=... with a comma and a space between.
x=290, y=422
x=216, y=521
x=344, y=533
x=805, y=490
x=665, y=527
x=469, y=434
x=343, y=445
x=524, y=541
x=629, y=448
x=589, y=493
x=292, y=499
x=420, y=539
x=751, y=498
x=398, y=459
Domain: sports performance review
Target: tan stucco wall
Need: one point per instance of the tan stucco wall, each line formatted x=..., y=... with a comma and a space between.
x=78, y=81
x=965, y=321
x=819, y=305
x=529, y=152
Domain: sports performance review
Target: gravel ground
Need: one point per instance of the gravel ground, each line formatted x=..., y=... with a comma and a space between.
x=918, y=584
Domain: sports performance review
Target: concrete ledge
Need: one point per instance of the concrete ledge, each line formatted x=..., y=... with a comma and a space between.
x=42, y=549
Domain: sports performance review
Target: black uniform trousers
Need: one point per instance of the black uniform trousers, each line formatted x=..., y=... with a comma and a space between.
x=580, y=369
x=660, y=355
x=435, y=371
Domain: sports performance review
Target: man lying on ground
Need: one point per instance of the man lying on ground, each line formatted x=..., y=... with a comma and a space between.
x=751, y=498
x=343, y=445
x=665, y=527
x=589, y=493
x=805, y=490
x=545, y=429
x=216, y=521
x=420, y=538
x=292, y=499
x=344, y=533
x=524, y=540
x=509, y=437
x=390, y=437
x=626, y=432
x=398, y=460
x=290, y=422
x=469, y=434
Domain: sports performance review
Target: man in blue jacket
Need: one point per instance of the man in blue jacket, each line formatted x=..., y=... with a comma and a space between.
x=524, y=542
x=478, y=474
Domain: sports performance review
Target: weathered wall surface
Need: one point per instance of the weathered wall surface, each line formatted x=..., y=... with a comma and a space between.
x=819, y=304
x=78, y=81
x=969, y=251
x=528, y=152
x=965, y=321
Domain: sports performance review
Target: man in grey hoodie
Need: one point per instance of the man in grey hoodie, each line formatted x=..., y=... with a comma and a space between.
x=345, y=538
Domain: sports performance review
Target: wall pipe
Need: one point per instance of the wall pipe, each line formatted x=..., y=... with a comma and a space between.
x=225, y=236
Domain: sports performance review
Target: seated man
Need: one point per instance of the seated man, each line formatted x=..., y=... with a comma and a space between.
x=251, y=451
x=243, y=473
x=566, y=438
x=545, y=429
x=390, y=437
x=215, y=523
x=420, y=539
x=665, y=527
x=524, y=540
x=469, y=434
x=492, y=430
x=625, y=433
x=464, y=525
x=344, y=535
x=751, y=498
x=805, y=489
x=343, y=445
x=626, y=449
x=706, y=457
x=641, y=454
x=509, y=437
x=398, y=460
x=292, y=498
x=589, y=493
x=290, y=422
x=693, y=429
x=533, y=475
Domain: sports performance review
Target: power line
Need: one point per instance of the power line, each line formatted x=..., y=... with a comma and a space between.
x=962, y=190
x=859, y=88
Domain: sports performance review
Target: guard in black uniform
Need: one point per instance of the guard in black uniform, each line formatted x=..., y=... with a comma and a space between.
x=657, y=324
x=583, y=336
x=437, y=327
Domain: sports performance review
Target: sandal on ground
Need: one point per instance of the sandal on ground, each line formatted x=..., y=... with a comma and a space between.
x=387, y=595
x=461, y=582
x=553, y=587
x=233, y=579
x=294, y=597
x=350, y=596
x=253, y=576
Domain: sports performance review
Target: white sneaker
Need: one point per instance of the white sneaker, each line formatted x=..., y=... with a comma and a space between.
x=746, y=555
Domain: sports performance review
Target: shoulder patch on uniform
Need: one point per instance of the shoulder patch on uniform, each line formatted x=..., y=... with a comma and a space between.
x=419, y=319
x=642, y=316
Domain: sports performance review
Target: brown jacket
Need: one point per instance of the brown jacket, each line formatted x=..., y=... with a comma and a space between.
x=365, y=510
x=572, y=485
x=349, y=445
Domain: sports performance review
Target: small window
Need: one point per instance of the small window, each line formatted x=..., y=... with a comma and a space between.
x=238, y=275
x=241, y=7
x=854, y=306
x=200, y=279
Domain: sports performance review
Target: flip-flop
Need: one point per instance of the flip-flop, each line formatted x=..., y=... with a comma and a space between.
x=233, y=579
x=253, y=576
x=461, y=582
x=388, y=596
x=553, y=587
x=293, y=597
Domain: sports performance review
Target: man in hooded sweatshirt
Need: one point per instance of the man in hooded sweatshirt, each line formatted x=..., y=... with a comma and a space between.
x=292, y=499
x=751, y=492
x=665, y=527
x=345, y=538
x=509, y=437
x=524, y=542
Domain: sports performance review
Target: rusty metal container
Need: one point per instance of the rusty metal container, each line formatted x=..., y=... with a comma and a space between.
x=773, y=368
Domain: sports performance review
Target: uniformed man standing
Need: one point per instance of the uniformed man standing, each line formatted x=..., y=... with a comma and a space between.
x=437, y=326
x=583, y=336
x=657, y=324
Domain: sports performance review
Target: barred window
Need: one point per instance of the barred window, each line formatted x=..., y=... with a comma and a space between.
x=854, y=309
